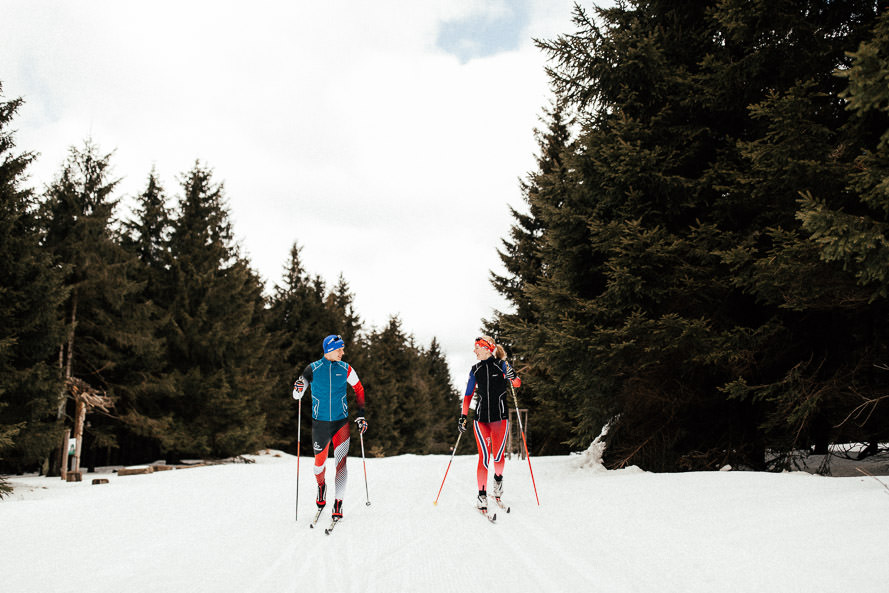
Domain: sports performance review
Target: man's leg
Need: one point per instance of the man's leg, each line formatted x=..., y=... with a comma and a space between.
x=340, y=453
x=320, y=443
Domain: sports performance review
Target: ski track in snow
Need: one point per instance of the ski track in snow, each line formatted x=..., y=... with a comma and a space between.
x=231, y=528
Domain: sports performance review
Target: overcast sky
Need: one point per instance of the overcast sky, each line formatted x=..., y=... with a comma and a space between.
x=387, y=138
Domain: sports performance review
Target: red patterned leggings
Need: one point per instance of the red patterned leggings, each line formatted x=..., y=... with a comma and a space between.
x=491, y=439
x=322, y=439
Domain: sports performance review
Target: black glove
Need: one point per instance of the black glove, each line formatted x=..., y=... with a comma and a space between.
x=461, y=423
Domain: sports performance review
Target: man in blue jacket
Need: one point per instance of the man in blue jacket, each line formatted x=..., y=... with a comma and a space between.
x=328, y=378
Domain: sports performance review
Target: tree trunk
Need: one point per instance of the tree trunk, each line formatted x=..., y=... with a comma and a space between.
x=66, y=354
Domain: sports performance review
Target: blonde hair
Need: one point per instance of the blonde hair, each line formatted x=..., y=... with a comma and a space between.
x=499, y=352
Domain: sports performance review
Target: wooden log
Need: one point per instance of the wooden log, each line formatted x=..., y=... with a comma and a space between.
x=100, y=481
x=74, y=477
x=191, y=465
x=133, y=471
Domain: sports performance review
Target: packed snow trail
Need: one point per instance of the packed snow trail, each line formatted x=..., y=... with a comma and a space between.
x=231, y=528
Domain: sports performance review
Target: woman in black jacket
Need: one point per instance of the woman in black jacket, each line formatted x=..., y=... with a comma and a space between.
x=486, y=392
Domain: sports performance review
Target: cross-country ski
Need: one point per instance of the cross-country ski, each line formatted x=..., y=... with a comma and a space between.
x=502, y=504
x=316, y=517
x=492, y=517
x=333, y=523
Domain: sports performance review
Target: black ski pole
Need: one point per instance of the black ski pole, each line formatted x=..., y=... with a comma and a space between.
x=366, y=493
x=299, y=425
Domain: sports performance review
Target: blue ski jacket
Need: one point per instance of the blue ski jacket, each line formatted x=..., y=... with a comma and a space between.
x=328, y=380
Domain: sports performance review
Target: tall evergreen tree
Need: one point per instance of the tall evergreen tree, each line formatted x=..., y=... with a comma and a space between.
x=106, y=320
x=820, y=333
x=218, y=345
x=30, y=326
x=146, y=382
x=386, y=376
x=299, y=317
x=148, y=235
x=849, y=227
x=442, y=400
x=519, y=330
x=340, y=302
x=648, y=309
x=411, y=403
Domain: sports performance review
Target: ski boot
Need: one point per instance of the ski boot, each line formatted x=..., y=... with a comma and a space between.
x=481, y=503
x=322, y=493
x=497, y=490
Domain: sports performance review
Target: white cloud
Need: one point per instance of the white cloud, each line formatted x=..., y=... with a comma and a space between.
x=338, y=125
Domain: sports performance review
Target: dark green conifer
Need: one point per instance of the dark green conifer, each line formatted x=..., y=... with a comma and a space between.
x=442, y=400
x=522, y=331
x=30, y=324
x=671, y=256
x=218, y=347
x=298, y=319
x=146, y=383
x=107, y=321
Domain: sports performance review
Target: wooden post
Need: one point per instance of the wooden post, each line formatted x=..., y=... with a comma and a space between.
x=514, y=437
x=63, y=462
x=79, y=419
x=85, y=397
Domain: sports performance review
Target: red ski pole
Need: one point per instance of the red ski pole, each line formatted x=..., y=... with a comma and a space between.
x=435, y=502
x=524, y=442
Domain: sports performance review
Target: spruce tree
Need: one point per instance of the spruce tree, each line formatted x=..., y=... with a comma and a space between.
x=652, y=309
x=441, y=399
x=107, y=322
x=814, y=347
x=217, y=343
x=148, y=235
x=387, y=377
x=340, y=303
x=31, y=292
x=411, y=404
x=299, y=318
x=520, y=330
x=848, y=226
x=146, y=383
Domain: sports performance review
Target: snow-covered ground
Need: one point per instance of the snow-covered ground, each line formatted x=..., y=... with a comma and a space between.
x=231, y=528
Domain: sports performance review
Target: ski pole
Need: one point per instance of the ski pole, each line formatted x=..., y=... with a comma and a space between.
x=366, y=494
x=299, y=425
x=515, y=400
x=435, y=502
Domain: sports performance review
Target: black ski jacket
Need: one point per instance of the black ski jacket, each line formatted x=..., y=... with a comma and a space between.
x=489, y=379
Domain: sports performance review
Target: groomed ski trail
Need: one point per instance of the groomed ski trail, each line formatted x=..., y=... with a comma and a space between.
x=230, y=528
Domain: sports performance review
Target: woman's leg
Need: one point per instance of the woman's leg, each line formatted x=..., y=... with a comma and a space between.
x=499, y=430
x=483, y=440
